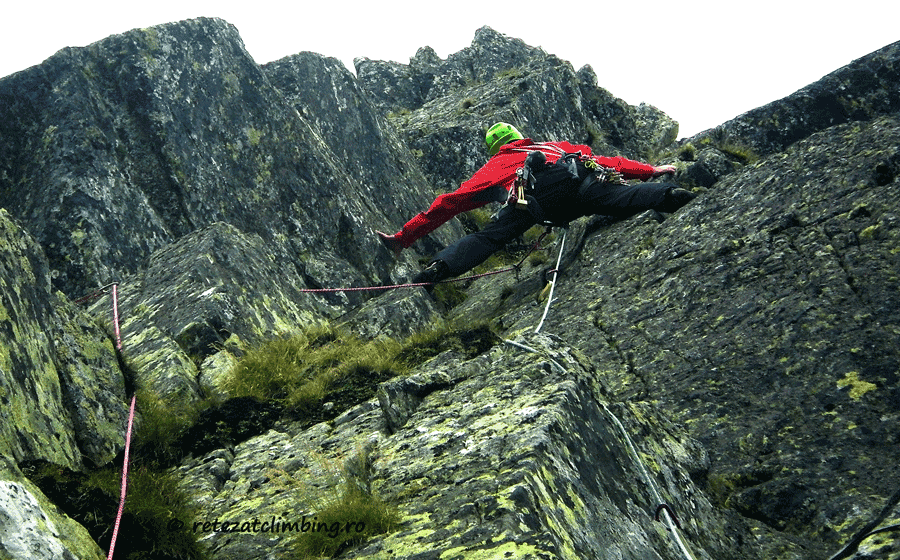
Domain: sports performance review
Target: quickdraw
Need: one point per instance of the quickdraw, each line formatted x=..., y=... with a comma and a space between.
x=603, y=174
x=517, y=193
x=668, y=510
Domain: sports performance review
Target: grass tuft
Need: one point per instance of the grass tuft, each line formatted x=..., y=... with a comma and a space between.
x=162, y=423
x=354, y=516
x=157, y=519
x=351, y=519
x=302, y=370
x=422, y=346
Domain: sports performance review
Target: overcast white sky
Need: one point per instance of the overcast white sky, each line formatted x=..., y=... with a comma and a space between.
x=702, y=62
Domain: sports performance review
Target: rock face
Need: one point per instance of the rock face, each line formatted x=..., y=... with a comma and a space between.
x=731, y=369
x=771, y=338
x=150, y=135
x=860, y=91
x=62, y=389
x=437, y=104
x=63, y=400
x=507, y=462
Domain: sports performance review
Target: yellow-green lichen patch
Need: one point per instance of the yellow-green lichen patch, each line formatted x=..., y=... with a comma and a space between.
x=503, y=551
x=858, y=387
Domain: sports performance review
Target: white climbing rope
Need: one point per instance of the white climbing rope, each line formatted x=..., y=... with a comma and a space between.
x=670, y=521
x=650, y=483
x=673, y=528
x=562, y=244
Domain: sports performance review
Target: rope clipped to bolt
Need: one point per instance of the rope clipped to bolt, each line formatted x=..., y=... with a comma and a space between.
x=90, y=298
x=94, y=296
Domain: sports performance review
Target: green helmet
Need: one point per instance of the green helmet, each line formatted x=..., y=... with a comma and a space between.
x=500, y=134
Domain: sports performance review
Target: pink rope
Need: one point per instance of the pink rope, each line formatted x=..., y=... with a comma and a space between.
x=115, y=303
x=112, y=543
x=393, y=286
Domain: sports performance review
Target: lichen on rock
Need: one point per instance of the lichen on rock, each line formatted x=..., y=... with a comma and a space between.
x=735, y=360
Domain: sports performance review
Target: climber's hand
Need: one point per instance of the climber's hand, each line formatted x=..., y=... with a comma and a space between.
x=392, y=242
x=664, y=169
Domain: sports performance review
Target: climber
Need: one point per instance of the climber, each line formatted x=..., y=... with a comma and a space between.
x=587, y=185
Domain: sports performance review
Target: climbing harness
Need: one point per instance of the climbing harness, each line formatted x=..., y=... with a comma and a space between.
x=571, y=173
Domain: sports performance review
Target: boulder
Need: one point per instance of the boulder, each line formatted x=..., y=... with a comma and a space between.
x=31, y=526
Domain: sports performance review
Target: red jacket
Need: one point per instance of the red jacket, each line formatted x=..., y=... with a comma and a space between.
x=500, y=170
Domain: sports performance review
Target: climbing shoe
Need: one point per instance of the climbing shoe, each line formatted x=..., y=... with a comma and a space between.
x=436, y=271
x=674, y=199
x=392, y=242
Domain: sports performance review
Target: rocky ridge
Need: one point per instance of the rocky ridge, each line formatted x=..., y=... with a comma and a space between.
x=214, y=190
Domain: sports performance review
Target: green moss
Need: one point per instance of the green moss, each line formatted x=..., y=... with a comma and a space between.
x=232, y=84
x=870, y=232
x=510, y=74
x=646, y=245
x=449, y=295
x=151, y=34
x=476, y=219
x=254, y=136
x=49, y=135
x=538, y=258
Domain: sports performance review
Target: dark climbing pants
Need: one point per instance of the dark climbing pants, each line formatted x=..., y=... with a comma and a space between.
x=619, y=201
